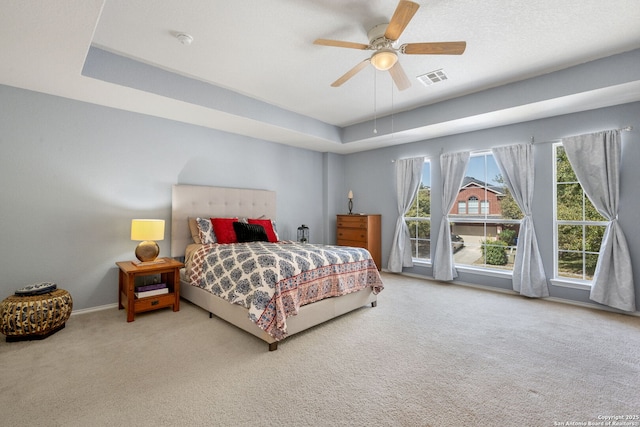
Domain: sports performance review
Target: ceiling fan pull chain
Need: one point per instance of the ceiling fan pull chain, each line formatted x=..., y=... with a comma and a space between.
x=392, y=109
x=375, y=115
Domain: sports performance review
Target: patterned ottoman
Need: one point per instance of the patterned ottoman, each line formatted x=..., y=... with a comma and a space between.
x=25, y=316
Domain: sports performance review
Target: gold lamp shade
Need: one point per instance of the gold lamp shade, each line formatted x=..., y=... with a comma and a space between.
x=147, y=231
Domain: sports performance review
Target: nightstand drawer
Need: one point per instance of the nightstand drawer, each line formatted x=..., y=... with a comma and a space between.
x=154, y=302
x=352, y=234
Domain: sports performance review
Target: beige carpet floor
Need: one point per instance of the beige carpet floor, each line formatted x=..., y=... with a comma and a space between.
x=430, y=354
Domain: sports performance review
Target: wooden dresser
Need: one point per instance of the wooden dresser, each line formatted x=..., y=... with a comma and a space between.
x=361, y=231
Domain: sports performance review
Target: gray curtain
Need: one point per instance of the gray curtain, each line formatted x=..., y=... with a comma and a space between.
x=408, y=179
x=452, y=169
x=516, y=164
x=595, y=158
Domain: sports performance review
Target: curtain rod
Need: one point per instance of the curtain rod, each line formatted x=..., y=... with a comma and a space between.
x=533, y=141
x=624, y=129
x=407, y=158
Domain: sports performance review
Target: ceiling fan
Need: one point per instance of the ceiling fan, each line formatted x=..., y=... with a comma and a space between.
x=385, y=56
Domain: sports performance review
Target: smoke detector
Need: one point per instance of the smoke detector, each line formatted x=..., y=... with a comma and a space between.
x=184, y=38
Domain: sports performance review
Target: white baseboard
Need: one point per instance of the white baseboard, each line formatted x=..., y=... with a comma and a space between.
x=92, y=309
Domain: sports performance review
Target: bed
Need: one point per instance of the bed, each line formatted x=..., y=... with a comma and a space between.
x=354, y=278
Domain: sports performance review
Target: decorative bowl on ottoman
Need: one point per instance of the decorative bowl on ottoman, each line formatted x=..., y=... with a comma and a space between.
x=36, y=289
x=35, y=312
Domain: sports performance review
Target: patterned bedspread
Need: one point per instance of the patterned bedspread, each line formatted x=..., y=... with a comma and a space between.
x=273, y=280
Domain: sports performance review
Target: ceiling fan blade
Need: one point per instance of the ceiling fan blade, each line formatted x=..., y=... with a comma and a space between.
x=400, y=19
x=444, y=48
x=352, y=72
x=399, y=77
x=338, y=43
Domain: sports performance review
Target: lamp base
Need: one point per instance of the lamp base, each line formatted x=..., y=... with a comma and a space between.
x=350, y=206
x=147, y=251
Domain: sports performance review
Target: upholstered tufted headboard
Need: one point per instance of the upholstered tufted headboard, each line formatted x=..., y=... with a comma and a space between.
x=198, y=200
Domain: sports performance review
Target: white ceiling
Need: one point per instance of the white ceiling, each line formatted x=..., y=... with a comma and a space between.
x=263, y=49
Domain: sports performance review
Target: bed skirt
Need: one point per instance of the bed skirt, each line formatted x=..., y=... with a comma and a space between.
x=308, y=315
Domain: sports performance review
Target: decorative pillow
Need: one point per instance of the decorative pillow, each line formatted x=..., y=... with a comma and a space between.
x=193, y=228
x=205, y=231
x=273, y=224
x=223, y=230
x=268, y=228
x=275, y=230
x=250, y=232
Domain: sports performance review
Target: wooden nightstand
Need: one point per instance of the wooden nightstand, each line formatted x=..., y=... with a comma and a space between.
x=169, y=272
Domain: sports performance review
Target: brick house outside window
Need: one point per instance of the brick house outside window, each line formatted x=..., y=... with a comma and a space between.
x=473, y=200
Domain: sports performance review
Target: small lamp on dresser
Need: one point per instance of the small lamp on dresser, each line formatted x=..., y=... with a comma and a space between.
x=147, y=231
x=350, y=197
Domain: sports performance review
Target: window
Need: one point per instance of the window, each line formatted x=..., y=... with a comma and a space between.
x=482, y=238
x=462, y=207
x=473, y=205
x=578, y=227
x=418, y=218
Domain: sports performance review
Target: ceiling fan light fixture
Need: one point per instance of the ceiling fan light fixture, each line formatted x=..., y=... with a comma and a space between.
x=384, y=59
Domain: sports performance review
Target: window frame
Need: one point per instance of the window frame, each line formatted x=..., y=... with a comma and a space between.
x=558, y=280
x=482, y=217
x=414, y=240
x=484, y=207
x=473, y=204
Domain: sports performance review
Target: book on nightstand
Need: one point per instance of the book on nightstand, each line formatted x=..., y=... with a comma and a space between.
x=151, y=290
x=151, y=287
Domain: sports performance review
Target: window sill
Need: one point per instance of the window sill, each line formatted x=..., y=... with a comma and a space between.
x=467, y=269
x=485, y=271
x=567, y=283
x=421, y=262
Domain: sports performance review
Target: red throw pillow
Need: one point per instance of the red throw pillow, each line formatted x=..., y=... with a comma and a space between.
x=268, y=227
x=223, y=229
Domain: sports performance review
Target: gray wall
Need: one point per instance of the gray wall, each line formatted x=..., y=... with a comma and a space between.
x=74, y=175
x=371, y=176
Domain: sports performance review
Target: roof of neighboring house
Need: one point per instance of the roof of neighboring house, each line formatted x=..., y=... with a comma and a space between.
x=470, y=181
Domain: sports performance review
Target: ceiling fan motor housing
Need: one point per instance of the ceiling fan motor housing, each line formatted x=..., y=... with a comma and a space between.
x=377, y=40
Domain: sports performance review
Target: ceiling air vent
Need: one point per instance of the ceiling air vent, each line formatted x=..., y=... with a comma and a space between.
x=432, y=77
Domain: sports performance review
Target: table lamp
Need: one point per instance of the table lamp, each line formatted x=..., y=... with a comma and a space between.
x=147, y=231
